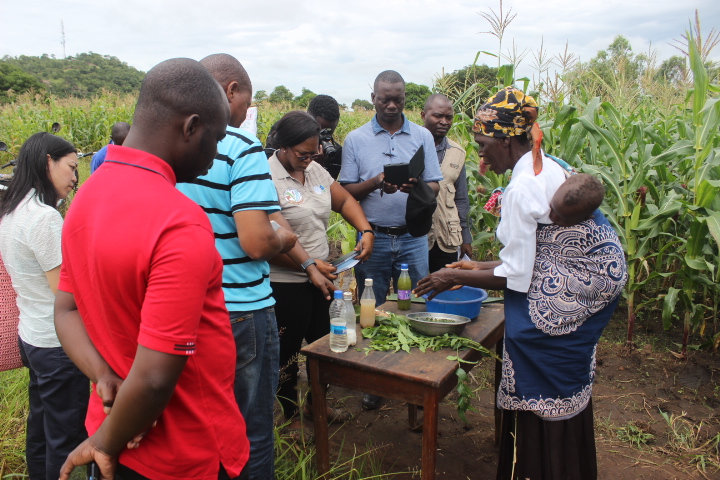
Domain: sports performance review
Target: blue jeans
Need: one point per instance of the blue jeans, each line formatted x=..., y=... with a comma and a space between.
x=59, y=394
x=383, y=265
x=256, y=381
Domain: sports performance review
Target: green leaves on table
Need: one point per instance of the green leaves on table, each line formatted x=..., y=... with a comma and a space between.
x=394, y=334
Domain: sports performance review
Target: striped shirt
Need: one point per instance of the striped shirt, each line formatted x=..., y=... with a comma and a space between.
x=238, y=180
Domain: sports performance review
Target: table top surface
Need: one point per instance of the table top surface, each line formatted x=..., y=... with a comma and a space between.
x=430, y=367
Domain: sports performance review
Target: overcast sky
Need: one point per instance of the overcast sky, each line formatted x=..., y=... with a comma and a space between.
x=338, y=47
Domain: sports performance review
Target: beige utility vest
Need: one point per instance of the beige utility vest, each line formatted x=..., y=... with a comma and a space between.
x=446, y=230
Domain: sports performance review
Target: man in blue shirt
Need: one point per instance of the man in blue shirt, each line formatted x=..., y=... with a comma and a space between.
x=118, y=133
x=238, y=195
x=388, y=138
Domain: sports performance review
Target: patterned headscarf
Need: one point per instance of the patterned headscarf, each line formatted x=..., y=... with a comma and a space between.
x=502, y=116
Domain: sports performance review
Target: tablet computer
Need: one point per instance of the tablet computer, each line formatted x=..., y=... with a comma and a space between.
x=346, y=262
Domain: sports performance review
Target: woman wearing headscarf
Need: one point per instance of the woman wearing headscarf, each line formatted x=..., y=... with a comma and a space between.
x=561, y=286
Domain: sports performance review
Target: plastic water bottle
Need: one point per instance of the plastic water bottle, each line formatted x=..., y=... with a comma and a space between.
x=367, y=305
x=350, y=319
x=404, y=286
x=338, y=324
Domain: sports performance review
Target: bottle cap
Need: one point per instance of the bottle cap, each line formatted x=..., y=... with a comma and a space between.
x=403, y=266
x=338, y=294
x=368, y=282
x=347, y=296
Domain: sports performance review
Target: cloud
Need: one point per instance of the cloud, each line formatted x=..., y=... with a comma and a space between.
x=339, y=47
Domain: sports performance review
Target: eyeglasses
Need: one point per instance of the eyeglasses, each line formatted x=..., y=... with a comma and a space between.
x=303, y=158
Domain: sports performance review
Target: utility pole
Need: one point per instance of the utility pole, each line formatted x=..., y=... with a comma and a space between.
x=62, y=37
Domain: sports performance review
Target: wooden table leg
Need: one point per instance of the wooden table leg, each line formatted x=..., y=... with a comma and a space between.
x=412, y=415
x=498, y=377
x=429, y=435
x=319, y=392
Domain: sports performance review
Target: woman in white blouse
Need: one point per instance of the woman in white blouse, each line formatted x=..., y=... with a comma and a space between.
x=30, y=228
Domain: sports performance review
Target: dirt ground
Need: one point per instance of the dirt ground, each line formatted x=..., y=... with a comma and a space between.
x=634, y=440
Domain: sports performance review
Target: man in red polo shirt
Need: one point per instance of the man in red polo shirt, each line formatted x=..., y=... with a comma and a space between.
x=140, y=307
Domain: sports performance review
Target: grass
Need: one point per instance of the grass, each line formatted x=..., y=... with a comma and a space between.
x=690, y=440
x=13, y=412
x=294, y=460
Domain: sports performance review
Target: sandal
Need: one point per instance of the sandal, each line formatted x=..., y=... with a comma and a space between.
x=299, y=433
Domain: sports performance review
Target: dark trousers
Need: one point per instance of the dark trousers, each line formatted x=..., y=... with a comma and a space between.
x=59, y=394
x=437, y=258
x=302, y=313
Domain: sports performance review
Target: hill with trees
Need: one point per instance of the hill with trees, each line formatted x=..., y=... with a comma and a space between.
x=83, y=75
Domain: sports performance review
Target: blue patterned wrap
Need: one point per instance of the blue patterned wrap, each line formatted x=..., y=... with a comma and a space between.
x=552, y=331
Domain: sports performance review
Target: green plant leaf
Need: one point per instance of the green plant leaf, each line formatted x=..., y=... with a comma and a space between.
x=713, y=223
x=669, y=303
x=706, y=193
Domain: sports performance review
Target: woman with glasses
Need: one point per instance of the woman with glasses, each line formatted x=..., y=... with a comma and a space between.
x=307, y=195
x=30, y=227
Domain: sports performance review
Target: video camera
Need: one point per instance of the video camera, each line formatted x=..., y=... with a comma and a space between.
x=332, y=152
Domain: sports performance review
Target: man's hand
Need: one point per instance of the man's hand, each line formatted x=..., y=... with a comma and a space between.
x=107, y=387
x=436, y=282
x=466, y=249
x=321, y=283
x=389, y=188
x=85, y=453
x=365, y=246
x=407, y=187
x=287, y=239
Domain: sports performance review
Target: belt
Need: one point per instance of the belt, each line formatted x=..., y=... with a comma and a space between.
x=394, y=231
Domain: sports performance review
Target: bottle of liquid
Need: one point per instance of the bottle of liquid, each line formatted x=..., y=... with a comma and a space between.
x=367, y=305
x=404, y=286
x=338, y=325
x=350, y=319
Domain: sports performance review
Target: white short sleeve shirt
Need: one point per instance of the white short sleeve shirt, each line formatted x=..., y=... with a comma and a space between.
x=30, y=246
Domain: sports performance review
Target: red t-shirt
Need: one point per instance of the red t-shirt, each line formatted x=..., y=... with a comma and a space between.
x=140, y=260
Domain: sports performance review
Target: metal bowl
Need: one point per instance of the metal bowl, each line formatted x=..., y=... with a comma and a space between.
x=451, y=324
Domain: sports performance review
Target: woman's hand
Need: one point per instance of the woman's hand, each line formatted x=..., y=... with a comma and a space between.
x=321, y=283
x=326, y=269
x=436, y=282
x=472, y=265
x=365, y=246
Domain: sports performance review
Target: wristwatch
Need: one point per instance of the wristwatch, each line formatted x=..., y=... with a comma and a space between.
x=307, y=263
x=369, y=231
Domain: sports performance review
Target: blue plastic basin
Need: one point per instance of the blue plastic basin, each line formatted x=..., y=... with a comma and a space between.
x=465, y=301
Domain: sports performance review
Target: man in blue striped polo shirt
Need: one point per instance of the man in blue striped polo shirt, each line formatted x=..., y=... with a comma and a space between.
x=238, y=195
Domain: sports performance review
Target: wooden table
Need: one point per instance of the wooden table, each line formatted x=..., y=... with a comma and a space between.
x=416, y=378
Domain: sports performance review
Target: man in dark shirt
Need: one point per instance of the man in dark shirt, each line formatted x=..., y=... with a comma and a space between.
x=326, y=111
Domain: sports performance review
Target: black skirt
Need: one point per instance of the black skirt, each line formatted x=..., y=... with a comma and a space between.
x=535, y=449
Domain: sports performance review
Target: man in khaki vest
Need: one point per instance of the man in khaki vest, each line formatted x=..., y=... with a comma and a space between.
x=450, y=229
